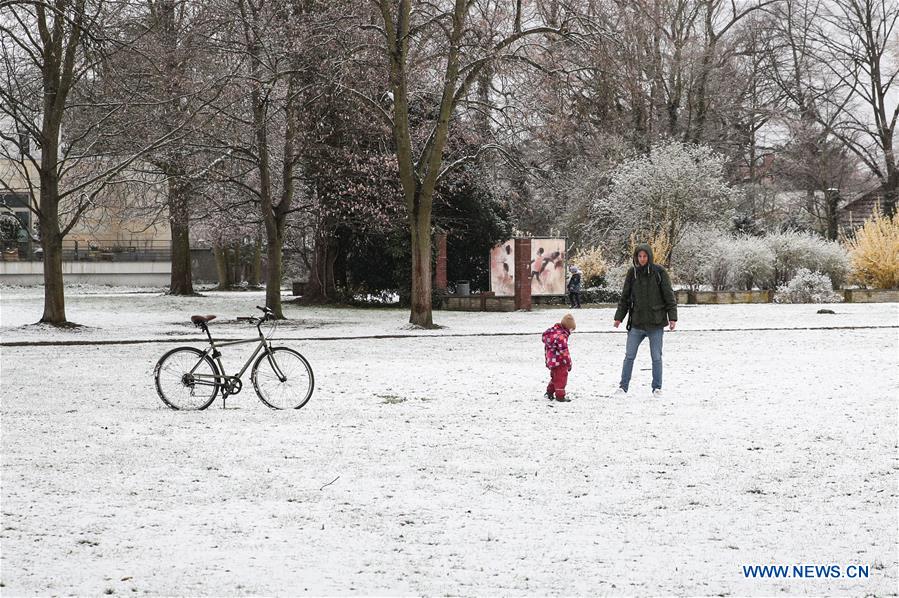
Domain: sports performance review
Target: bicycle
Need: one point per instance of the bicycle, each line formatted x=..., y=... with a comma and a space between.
x=188, y=378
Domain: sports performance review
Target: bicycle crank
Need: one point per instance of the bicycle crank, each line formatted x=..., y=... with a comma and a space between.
x=233, y=386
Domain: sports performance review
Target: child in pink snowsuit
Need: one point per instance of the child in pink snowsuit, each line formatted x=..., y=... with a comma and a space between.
x=558, y=359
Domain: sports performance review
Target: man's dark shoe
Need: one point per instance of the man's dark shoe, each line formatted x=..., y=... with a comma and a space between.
x=563, y=399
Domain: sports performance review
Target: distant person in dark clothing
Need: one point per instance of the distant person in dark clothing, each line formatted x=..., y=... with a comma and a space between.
x=574, y=287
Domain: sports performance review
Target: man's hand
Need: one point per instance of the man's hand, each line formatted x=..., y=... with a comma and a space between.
x=617, y=323
x=672, y=324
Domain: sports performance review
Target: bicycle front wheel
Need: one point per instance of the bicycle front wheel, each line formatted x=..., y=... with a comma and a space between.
x=283, y=379
x=186, y=379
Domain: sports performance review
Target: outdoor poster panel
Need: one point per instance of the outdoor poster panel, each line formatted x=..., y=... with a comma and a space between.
x=547, y=268
x=502, y=269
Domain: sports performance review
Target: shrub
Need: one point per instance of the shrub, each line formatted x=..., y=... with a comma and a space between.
x=688, y=259
x=670, y=187
x=807, y=287
x=832, y=259
x=874, y=252
x=749, y=264
x=795, y=250
x=790, y=254
x=708, y=256
x=601, y=295
x=716, y=271
x=615, y=277
x=593, y=266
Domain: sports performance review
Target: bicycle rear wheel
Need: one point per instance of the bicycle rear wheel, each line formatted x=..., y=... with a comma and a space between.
x=186, y=379
x=283, y=379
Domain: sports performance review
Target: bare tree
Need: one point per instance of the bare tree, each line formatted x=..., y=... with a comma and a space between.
x=720, y=17
x=56, y=130
x=435, y=53
x=858, y=40
x=835, y=74
x=175, y=64
x=270, y=53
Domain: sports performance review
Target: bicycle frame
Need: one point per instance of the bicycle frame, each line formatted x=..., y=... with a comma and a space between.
x=223, y=378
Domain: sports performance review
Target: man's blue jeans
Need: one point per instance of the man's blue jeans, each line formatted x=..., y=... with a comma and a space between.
x=635, y=336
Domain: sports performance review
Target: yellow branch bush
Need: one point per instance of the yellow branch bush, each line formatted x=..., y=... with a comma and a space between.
x=660, y=243
x=874, y=252
x=592, y=263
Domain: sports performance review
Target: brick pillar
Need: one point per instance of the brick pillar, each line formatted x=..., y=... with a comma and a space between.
x=523, y=274
x=440, y=274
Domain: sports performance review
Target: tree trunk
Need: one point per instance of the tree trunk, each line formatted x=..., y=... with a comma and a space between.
x=832, y=215
x=179, y=222
x=51, y=235
x=273, y=279
x=54, y=298
x=891, y=188
x=322, y=287
x=701, y=91
x=221, y=266
x=256, y=266
x=420, y=229
x=236, y=263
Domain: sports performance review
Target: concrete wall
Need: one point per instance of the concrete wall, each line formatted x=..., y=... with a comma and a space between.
x=480, y=303
x=728, y=297
x=722, y=297
x=871, y=295
x=111, y=273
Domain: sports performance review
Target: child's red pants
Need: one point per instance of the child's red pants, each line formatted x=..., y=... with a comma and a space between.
x=557, y=381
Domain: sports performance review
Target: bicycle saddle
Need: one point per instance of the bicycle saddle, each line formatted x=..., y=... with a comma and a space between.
x=201, y=319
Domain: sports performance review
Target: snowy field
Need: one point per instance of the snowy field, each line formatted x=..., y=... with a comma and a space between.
x=427, y=463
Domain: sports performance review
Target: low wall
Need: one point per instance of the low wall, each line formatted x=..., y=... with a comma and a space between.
x=728, y=297
x=684, y=297
x=479, y=303
x=107, y=273
x=871, y=295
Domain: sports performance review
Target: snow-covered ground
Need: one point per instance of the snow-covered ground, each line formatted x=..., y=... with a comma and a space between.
x=110, y=314
x=430, y=465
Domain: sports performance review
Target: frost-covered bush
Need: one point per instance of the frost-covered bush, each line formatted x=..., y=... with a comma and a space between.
x=672, y=186
x=795, y=250
x=749, y=264
x=807, y=287
x=831, y=258
x=791, y=251
x=694, y=260
x=709, y=256
x=615, y=276
x=718, y=264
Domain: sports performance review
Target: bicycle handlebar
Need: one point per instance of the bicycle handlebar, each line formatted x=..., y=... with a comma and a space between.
x=267, y=315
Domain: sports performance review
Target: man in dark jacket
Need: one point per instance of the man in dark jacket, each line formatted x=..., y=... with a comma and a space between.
x=648, y=301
